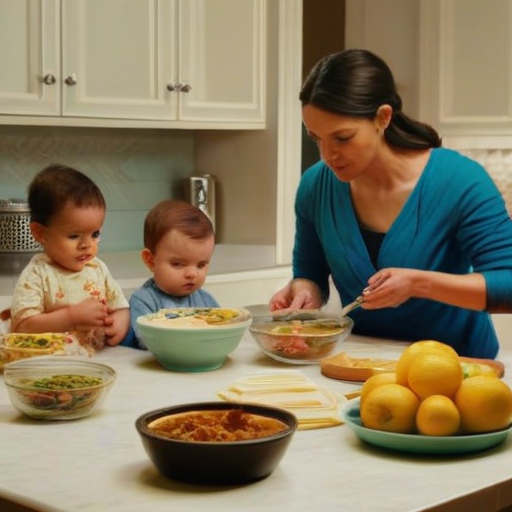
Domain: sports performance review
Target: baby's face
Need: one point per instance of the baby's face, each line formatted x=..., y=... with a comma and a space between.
x=180, y=263
x=72, y=236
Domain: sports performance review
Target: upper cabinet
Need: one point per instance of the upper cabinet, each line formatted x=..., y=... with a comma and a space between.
x=465, y=66
x=154, y=63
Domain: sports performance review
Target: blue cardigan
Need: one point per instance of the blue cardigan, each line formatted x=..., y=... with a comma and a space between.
x=455, y=221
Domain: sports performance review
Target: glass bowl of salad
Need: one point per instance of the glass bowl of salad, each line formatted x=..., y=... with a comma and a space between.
x=300, y=337
x=57, y=387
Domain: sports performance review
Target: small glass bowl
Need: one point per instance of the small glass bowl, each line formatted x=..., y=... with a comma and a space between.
x=63, y=403
x=296, y=341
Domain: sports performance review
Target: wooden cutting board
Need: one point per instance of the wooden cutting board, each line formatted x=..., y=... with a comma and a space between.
x=343, y=367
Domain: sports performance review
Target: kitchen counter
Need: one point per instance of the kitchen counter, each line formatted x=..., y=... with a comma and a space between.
x=98, y=464
x=230, y=263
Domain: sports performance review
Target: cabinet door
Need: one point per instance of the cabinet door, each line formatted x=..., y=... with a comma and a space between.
x=29, y=57
x=466, y=63
x=222, y=59
x=118, y=57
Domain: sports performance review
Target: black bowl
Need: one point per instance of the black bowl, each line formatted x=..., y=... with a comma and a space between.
x=225, y=463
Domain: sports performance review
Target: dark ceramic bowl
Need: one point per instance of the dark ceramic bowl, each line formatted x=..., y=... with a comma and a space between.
x=224, y=463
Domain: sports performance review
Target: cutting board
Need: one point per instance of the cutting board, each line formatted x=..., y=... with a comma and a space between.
x=341, y=366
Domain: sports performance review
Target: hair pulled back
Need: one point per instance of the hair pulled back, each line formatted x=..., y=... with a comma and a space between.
x=355, y=83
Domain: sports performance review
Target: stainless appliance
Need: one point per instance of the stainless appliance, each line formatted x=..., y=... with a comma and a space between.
x=200, y=191
x=17, y=245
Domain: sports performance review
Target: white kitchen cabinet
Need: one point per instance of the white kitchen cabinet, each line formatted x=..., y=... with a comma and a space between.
x=247, y=288
x=465, y=66
x=29, y=55
x=154, y=63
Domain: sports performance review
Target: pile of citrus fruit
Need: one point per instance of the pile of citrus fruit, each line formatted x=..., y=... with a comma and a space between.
x=429, y=394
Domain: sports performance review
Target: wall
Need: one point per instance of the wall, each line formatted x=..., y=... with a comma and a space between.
x=245, y=164
x=390, y=28
x=134, y=169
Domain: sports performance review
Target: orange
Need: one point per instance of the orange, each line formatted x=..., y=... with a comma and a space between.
x=390, y=407
x=436, y=372
x=375, y=381
x=411, y=352
x=484, y=403
x=437, y=416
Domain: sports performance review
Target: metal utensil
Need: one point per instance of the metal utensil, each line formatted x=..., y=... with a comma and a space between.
x=353, y=305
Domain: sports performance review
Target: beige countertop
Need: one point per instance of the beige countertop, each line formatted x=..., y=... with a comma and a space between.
x=97, y=464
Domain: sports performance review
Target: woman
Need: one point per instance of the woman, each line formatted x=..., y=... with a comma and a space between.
x=421, y=231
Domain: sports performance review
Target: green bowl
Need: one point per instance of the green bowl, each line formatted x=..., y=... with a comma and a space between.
x=193, y=349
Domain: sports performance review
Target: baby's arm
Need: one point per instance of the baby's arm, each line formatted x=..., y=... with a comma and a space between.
x=85, y=315
x=117, y=326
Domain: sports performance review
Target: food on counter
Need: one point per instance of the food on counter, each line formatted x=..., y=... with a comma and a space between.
x=342, y=366
x=194, y=317
x=216, y=442
x=53, y=393
x=435, y=373
x=375, y=381
x=313, y=405
x=438, y=416
x=432, y=397
x=57, y=388
x=15, y=346
x=411, y=353
x=300, y=341
x=484, y=403
x=216, y=426
x=392, y=408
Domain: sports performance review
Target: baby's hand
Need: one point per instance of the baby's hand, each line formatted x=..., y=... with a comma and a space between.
x=89, y=312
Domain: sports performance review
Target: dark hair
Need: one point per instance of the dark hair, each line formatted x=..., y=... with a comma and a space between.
x=355, y=83
x=180, y=215
x=57, y=185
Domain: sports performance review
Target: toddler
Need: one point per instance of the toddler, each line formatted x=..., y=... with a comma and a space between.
x=66, y=287
x=178, y=245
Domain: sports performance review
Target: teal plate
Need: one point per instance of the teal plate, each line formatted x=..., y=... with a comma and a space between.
x=420, y=444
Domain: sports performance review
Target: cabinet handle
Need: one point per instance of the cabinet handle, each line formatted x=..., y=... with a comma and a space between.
x=184, y=87
x=71, y=79
x=172, y=87
x=49, y=79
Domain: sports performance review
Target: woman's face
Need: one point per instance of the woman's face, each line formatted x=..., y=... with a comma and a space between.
x=348, y=145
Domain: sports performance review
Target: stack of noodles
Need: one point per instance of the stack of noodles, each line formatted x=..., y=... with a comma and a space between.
x=314, y=406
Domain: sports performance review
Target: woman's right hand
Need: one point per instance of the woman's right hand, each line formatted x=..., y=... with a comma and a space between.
x=297, y=294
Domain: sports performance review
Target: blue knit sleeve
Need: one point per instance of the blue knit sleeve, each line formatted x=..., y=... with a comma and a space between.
x=485, y=232
x=309, y=259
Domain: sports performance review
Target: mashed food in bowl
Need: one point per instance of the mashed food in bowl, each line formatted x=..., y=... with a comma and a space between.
x=195, y=317
x=216, y=426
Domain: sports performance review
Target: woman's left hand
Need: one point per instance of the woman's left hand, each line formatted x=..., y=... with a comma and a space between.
x=389, y=288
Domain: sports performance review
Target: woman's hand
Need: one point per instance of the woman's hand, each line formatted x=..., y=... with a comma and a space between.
x=389, y=288
x=297, y=294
